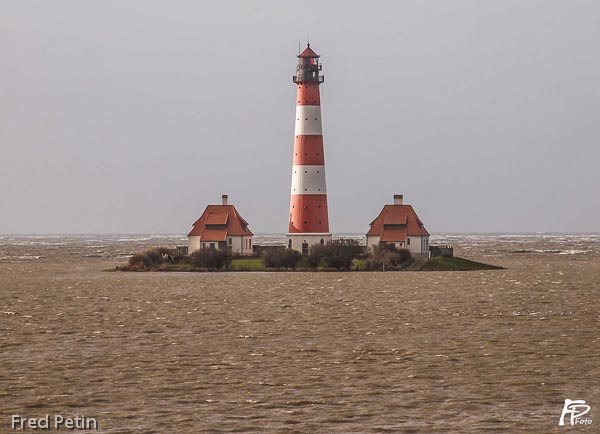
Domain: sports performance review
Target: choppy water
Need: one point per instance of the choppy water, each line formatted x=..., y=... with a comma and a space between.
x=301, y=352
x=30, y=247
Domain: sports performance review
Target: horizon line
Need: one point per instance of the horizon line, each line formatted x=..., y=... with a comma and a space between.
x=284, y=233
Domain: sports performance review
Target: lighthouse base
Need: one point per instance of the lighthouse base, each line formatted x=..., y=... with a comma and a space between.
x=302, y=242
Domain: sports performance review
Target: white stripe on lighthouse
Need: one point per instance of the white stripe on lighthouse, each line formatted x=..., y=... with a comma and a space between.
x=308, y=120
x=308, y=180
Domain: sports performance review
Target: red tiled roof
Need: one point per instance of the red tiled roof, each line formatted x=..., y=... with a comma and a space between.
x=396, y=219
x=308, y=52
x=214, y=234
x=391, y=217
x=219, y=221
x=393, y=234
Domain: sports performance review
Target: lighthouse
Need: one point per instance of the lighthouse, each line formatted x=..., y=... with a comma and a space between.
x=309, y=222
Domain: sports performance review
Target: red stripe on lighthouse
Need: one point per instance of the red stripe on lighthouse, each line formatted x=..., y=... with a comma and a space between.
x=308, y=94
x=308, y=150
x=308, y=213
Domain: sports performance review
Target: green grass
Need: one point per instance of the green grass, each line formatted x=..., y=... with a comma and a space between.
x=456, y=264
x=183, y=267
x=358, y=264
x=237, y=264
x=247, y=264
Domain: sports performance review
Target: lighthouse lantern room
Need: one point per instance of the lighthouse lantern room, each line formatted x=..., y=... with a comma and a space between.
x=309, y=222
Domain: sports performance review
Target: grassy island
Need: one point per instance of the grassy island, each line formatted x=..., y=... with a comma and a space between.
x=320, y=258
x=440, y=263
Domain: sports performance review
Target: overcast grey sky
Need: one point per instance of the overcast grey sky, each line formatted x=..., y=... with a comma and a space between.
x=132, y=116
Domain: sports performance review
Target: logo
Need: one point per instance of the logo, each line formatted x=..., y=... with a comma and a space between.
x=576, y=408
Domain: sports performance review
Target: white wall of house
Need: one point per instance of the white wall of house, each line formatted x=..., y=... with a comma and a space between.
x=235, y=244
x=418, y=245
x=372, y=241
x=209, y=244
x=240, y=244
x=246, y=245
x=193, y=244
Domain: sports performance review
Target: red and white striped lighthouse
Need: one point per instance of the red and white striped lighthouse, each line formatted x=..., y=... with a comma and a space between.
x=309, y=222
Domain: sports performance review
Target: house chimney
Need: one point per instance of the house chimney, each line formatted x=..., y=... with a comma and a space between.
x=398, y=199
x=224, y=197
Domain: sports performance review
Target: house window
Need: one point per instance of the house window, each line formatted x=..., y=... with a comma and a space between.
x=249, y=244
x=230, y=242
x=322, y=241
x=408, y=241
x=212, y=245
x=290, y=243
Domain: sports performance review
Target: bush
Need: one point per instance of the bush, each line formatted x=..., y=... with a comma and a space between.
x=335, y=255
x=404, y=255
x=271, y=258
x=281, y=258
x=166, y=251
x=151, y=259
x=339, y=259
x=155, y=256
x=290, y=258
x=339, y=256
x=315, y=254
x=178, y=258
x=140, y=261
x=212, y=259
x=386, y=258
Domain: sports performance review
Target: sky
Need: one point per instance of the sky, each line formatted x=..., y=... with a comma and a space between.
x=132, y=116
